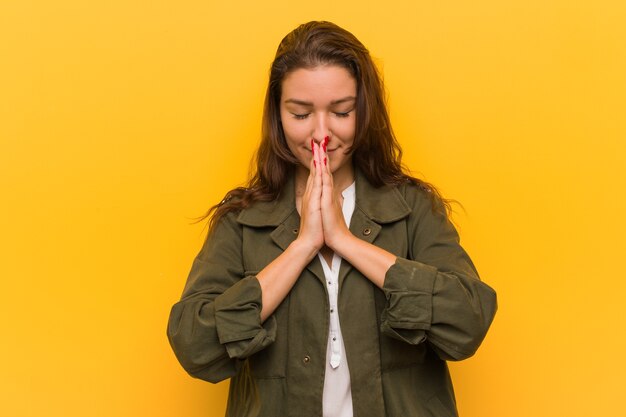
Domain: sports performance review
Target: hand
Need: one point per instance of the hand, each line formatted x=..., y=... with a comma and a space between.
x=311, y=228
x=334, y=225
x=322, y=223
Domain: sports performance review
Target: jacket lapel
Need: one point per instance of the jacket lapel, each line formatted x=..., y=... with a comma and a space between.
x=286, y=233
x=364, y=228
x=374, y=207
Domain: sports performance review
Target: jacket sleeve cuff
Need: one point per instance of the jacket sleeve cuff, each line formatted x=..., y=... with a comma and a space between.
x=408, y=289
x=238, y=320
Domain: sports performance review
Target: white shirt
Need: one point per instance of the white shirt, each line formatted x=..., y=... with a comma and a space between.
x=337, y=397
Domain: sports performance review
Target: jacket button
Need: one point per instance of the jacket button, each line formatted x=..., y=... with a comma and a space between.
x=367, y=231
x=295, y=231
x=306, y=359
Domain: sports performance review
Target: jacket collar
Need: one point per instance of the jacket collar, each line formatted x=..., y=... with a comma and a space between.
x=271, y=213
x=382, y=205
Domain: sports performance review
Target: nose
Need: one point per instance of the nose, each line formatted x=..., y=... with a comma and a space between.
x=321, y=127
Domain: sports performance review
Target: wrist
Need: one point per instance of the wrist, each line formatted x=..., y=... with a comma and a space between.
x=303, y=249
x=340, y=242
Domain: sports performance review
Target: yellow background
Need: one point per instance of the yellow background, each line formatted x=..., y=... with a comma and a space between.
x=122, y=120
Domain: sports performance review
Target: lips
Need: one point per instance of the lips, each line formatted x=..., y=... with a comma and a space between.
x=327, y=150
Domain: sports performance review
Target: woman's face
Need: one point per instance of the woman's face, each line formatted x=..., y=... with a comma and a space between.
x=316, y=103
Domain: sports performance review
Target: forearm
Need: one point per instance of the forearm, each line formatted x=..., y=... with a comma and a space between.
x=278, y=277
x=370, y=260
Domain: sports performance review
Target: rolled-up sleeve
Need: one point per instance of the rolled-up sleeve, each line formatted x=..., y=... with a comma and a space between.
x=435, y=294
x=217, y=322
x=409, y=291
x=238, y=322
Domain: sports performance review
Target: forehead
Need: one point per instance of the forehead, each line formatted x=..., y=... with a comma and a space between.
x=319, y=84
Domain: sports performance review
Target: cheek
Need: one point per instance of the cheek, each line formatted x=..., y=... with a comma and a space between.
x=346, y=130
x=295, y=138
x=295, y=132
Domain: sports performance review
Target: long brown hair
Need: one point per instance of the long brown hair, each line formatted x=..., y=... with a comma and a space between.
x=375, y=151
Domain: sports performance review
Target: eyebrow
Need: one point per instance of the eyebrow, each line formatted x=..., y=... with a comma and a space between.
x=309, y=104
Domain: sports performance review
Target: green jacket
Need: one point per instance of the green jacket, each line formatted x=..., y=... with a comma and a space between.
x=433, y=308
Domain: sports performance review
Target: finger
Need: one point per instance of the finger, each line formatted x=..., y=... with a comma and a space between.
x=312, y=162
x=313, y=185
x=318, y=166
x=318, y=155
x=324, y=153
x=327, y=177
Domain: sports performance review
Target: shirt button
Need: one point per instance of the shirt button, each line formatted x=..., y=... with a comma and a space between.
x=306, y=359
x=367, y=231
x=332, y=310
x=334, y=339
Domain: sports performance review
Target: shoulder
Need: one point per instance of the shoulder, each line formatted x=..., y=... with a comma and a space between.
x=391, y=202
x=224, y=229
x=415, y=195
x=423, y=200
x=429, y=212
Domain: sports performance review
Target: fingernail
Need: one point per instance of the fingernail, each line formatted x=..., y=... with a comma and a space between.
x=326, y=139
x=324, y=161
x=312, y=147
x=314, y=163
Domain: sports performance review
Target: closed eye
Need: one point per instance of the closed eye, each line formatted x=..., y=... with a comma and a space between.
x=300, y=116
x=343, y=114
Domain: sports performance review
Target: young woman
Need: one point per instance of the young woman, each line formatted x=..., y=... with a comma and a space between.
x=334, y=283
